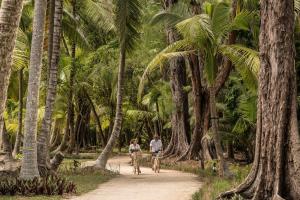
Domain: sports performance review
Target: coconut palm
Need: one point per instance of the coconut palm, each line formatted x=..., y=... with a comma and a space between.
x=10, y=14
x=29, y=168
x=52, y=84
x=127, y=21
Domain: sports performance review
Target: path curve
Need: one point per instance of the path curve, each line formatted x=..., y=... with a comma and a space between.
x=167, y=185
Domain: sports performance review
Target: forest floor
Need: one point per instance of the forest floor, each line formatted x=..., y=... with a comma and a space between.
x=167, y=185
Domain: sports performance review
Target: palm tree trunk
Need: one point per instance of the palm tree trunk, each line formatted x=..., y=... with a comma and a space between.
x=178, y=144
x=216, y=136
x=71, y=92
x=43, y=137
x=29, y=168
x=50, y=19
x=102, y=159
x=20, y=115
x=10, y=14
x=97, y=119
x=6, y=144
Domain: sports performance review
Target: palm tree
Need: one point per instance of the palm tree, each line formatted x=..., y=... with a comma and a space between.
x=29, y=168
x=127, y=21
x=43, y=136
x=10, y=14
x=205, y=34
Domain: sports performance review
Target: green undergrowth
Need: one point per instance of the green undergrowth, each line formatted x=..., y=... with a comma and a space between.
x=85, y=179
x=214, y=185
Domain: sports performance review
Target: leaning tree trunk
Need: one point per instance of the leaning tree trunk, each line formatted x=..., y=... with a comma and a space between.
x=102, y=159
x=10, y=14
x=43, y=136
x=275, y=173
x=20, y=116
x=29, y=168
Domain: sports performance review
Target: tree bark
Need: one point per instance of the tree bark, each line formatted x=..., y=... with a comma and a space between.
x=29, y=168
x=275, y=173
x=43, y=136
x=10, y=14
x=20, y=116
x=71, y=114
x=178, y=144
x=6, y=144
x=102, y=159
x=195, y=150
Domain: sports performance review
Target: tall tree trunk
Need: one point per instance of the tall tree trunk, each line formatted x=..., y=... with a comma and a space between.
x=102, y=159
x=50, y=19
x=221, y=78
x=71, y=91
x=82, y=120
x=43, y=136
x=199, y=105
x=215, y=130
x=10, y=14
x=275, y=173
x=97, y=119
x=20, y=115
x=180, y=130
x=6, y=144
x=29, y=168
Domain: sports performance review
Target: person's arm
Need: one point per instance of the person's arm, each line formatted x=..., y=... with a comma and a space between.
x=151, y=145
x=129, y=149
x=161, y=145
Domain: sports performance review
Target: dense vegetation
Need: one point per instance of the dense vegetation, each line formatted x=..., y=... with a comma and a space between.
x=216, y=79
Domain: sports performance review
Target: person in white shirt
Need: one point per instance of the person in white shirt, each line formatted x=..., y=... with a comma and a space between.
x=155, y=147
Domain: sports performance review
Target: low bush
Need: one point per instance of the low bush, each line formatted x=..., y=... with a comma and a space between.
x=50, y=185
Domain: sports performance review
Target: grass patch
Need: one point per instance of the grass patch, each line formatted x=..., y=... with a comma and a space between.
x=212, y=184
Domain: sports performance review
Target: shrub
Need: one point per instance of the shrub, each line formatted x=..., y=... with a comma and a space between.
x=49, y=185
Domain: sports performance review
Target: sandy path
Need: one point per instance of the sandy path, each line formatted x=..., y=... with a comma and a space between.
x=167, y=185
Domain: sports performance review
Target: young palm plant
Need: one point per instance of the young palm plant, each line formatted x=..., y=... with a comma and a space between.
x=127, y=22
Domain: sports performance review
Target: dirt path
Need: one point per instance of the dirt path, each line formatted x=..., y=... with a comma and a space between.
x=167, y=185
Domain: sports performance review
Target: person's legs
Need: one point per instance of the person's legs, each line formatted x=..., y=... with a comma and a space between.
x=152, y=160
x=131, y=157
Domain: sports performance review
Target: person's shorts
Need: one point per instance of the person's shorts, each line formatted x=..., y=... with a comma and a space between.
x=154, y=154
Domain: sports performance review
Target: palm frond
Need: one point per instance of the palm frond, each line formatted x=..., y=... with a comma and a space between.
x=160, y=59
x=243, y=20
x=246, y=62
x=127, y=21
x=166, y=17
x=196, y=29
x=220, y=20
